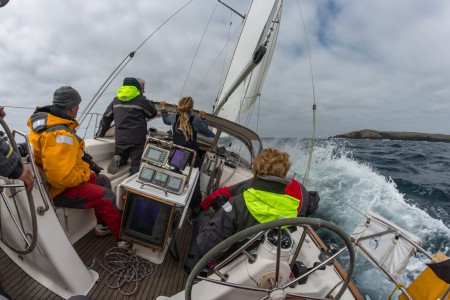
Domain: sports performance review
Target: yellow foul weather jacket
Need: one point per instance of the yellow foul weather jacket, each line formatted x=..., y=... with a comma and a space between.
x=57, y=149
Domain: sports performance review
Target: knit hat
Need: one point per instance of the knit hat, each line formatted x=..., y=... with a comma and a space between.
x=66, y=97
x=132, y=81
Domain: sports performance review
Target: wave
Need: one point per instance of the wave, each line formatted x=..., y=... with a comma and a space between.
x=350, y=186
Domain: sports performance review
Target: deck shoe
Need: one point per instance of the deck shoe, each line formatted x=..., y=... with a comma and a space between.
x=203, y=273
x=114, y=164
x=124, y=246
x=101, y=230
x=186, y=270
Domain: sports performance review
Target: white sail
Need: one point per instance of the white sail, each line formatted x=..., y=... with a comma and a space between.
x=238, y=96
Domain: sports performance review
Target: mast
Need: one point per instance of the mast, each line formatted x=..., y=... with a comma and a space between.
x=251, y=59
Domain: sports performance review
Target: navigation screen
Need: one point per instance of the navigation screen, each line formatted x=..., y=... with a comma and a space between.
x=179, y=158
x=147, y=220
x=156, y=155
x=146, y=174
x=174, y=184
x=160, y=179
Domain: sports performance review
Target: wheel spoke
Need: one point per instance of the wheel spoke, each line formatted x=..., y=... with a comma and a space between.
x=275, y=288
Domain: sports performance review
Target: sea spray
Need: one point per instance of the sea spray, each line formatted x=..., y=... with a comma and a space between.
x=355, y=176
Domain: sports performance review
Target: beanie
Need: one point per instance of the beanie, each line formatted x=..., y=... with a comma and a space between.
x=132, y=81
x=66, y=97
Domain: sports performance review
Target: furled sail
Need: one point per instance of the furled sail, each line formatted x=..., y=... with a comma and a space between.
x=251, y=59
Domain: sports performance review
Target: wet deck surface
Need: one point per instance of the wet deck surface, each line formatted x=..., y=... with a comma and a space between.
x=166, y=279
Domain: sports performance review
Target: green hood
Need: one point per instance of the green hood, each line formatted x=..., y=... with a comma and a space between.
x=127, y=93
x=266, y=206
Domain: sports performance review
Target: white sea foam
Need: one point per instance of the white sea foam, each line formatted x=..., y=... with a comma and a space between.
x=348, y=188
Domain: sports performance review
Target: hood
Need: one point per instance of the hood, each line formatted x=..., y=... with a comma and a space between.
x=49, y=116
x=127, y=93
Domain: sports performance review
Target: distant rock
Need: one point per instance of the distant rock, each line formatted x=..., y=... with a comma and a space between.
x=393, y=135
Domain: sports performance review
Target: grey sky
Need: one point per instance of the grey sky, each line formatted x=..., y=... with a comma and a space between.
x=377, y=64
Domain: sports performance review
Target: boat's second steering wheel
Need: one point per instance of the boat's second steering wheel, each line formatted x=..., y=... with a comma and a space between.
x=274, y=225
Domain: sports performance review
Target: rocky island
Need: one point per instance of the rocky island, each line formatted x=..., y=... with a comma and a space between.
x=394, y=135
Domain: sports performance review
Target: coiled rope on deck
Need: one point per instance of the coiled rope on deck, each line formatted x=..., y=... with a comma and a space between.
x=125, y=268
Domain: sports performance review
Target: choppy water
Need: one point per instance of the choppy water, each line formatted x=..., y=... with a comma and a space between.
x=406, y=182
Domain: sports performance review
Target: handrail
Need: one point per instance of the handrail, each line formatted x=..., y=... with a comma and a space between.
x=40, y=210
x=32, y=244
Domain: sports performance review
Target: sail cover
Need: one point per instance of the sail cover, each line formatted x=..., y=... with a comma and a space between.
x=383, y=243
x=262, y=15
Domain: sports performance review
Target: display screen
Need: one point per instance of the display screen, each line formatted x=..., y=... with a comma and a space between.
x=179, y=158
x=146, y=174
x=160, y=179
x=153, y=154
x=174, y=184
x=147, y=219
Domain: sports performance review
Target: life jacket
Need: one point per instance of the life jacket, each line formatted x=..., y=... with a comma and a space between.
x=266, y=206
x=179, y=138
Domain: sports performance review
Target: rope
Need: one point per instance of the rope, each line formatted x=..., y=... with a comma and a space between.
x=397, y=286
x=125, y=268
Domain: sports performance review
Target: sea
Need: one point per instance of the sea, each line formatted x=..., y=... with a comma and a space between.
x=406, y=182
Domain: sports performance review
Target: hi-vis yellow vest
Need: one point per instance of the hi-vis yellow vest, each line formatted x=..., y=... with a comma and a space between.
x=266, y=206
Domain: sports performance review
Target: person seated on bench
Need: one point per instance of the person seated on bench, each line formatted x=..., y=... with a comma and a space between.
x=266, y=200
x=60, y=153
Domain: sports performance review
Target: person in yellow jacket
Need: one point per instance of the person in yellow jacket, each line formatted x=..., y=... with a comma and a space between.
x=60, y=153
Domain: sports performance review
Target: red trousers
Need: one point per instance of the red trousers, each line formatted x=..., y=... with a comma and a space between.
x=96, y=194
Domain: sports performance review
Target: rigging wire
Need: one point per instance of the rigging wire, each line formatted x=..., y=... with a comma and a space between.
x=346, y=203
x=122, y=65
x=313, y=136
x=259, y=108
x=225, y=58
x=215, y=61
x=259, y=78
x=196, y=51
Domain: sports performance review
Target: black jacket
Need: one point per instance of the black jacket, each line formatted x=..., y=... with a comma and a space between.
x=234, y=215
x=130, y=118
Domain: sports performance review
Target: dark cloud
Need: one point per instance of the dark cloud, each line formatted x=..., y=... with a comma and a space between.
x=376, y=64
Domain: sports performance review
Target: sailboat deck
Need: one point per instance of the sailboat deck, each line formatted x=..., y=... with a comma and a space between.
x=166, y=279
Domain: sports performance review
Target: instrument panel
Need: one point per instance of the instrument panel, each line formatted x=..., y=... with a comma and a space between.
x=165, y=179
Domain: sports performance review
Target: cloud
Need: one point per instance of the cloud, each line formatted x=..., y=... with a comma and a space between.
x=376, y=64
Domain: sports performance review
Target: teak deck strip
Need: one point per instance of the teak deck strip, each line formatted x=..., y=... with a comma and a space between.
x=167, y=279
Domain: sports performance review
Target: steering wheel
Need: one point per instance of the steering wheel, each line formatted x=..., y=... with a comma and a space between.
x=274, y=225
x=30, y=244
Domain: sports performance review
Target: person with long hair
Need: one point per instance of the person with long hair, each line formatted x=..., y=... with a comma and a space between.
x=186, y=125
